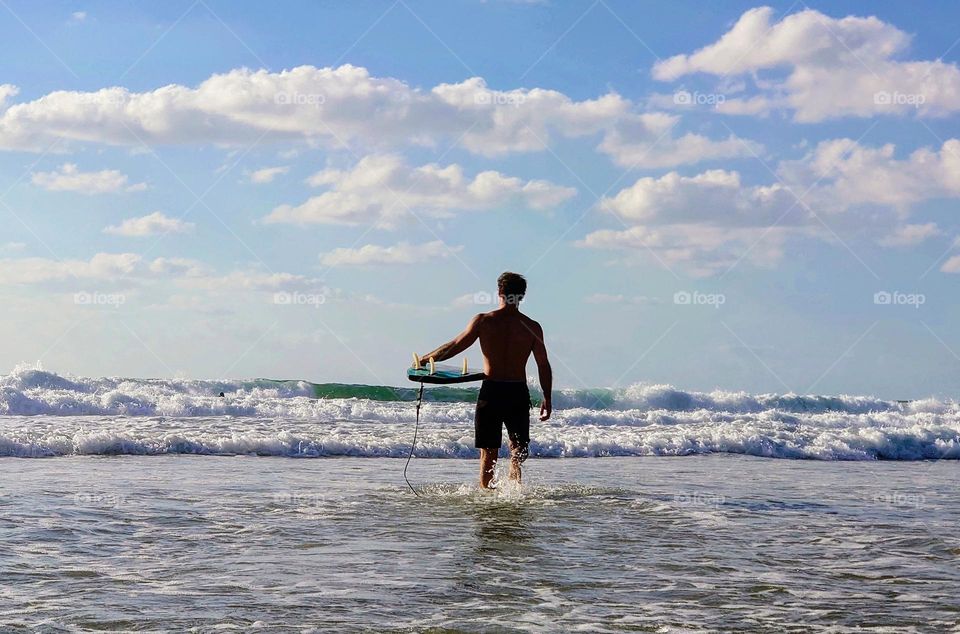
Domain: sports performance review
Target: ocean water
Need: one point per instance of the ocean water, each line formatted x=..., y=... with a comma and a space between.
x=694, y=544
x=156, y=505
x=43, y=414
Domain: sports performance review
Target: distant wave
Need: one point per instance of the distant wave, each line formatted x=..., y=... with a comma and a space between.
x=43, y=414
x=28, y=391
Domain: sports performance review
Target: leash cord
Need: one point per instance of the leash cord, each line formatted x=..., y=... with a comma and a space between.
x=414, y=443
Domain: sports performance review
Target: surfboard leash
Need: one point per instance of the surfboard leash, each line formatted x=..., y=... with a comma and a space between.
x=414, y=443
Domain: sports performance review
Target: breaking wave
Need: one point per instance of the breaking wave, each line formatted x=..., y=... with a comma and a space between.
x=43, y=414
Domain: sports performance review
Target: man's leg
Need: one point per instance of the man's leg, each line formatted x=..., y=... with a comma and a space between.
x=488, y=462
x=518, y=454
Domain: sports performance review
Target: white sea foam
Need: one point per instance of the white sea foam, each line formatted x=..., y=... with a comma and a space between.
x=45, y=414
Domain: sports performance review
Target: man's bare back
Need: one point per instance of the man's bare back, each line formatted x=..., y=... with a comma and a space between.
x=507, y=339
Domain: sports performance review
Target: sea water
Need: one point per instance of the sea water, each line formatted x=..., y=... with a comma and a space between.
x=43, y=414
x=159, y=506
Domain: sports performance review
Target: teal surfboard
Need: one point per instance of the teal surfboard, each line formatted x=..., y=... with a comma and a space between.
x=444, y=374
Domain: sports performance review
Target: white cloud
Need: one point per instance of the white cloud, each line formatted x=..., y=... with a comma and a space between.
x=13, y=246
x=110, y=269
x=952, y=265
x=383, y=189
x=646, y=141
x=703, y=222
x=70, y=178
x=834, y=67
x=851, y=174
x=149, y=225
x=714, y=197
x=401, y=253
x=606, y=298
x=708, y=221
x=7, y=91
x=699, y=248
x=254, y=280
x=910, y=235
x=482, y=300
x=78, y=16
x=102, y=266
x=331, y=106
x=267, y=174
x=178, y=267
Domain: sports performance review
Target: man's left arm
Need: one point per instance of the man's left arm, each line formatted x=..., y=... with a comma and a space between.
x=460, y=343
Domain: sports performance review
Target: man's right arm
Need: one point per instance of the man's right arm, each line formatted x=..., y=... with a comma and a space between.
x=544, y=370
x=462, y=341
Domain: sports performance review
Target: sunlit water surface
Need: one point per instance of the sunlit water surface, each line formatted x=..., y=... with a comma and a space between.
x=700, y=543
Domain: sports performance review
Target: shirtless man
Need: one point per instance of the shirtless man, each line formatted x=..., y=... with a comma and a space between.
x=507, y=338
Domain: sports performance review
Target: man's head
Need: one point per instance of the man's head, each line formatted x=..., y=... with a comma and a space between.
x=511, y=287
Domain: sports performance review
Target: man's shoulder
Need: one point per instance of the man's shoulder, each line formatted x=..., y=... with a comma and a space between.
x=480, y=318
x=532, y=323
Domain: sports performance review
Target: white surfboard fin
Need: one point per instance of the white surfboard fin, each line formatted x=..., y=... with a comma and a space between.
x=464, y=369
x=416, y=361
x=433, y=367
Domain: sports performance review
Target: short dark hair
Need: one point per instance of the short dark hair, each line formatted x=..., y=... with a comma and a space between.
x=512, y=286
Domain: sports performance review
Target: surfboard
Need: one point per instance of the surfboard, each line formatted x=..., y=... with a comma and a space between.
x=433, y=373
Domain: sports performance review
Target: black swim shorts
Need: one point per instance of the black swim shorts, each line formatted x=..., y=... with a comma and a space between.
x=502, y=403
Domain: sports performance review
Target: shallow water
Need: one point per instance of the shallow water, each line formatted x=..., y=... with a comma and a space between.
x=701, y=543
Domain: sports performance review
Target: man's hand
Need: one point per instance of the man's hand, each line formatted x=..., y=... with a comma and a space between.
x=545, y=409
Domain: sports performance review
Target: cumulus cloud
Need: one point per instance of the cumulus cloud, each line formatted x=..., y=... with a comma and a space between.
x=712, y=220
x=646, y=141
x=383, y=189
x=607, y=298
x=69, y=178
x=850, y=174
x=910, y=235
x=952, y=265
x=331, y=106
x=7, y=91
x=178, y=267
x=149, y=225
x=714, y=197
x=701, y=249
x=267, y=174
x=102, y=266
x=834, y=67
x=401, y=253
x=131, y=269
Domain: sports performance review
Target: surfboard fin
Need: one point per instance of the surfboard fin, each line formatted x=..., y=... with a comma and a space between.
x=416, y=361
x=433, y=367
x=464, y=369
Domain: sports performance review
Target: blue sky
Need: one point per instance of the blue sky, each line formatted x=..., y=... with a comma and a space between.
x=709, y=195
